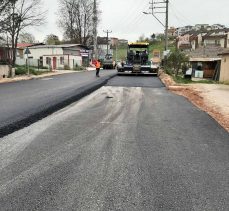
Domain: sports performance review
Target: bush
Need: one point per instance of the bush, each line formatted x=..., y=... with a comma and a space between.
x=23, y=70
x=78, y=68
x=176, y=61
x=66, y=67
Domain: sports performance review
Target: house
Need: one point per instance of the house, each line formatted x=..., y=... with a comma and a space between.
x=182, y=30
x=5, y=60
x=224, y=71
x=191, y=40
x=123, y=42
x=201, y=27
x=205, y=60
x=219, y=37
x=60, y=56
x=172, y=32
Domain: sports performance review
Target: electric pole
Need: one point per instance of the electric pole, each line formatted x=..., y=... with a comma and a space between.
x=95, y=24
x=107, y=32
x=160, y=7
x=166, y=25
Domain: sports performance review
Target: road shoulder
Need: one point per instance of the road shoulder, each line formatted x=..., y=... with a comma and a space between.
x=211, y=98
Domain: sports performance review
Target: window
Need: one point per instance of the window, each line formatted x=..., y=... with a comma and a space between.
x=61, y=60
x=48, y=60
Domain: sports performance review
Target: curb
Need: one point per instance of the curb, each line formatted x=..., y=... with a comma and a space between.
x=46, y=111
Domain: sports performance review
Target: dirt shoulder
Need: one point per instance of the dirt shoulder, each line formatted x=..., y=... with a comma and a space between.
x=211, y=98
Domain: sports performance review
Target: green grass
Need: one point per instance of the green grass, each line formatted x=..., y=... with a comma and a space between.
x=181, y=80
x=22, y=70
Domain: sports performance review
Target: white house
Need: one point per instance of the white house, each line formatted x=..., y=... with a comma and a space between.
x=60, y=56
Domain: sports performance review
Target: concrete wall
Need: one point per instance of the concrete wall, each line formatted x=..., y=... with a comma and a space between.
x=69, y=60
x=4, y=70
x=36, y=53
x=224, y=72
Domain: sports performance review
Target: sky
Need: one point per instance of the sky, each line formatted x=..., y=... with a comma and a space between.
x=126, y=20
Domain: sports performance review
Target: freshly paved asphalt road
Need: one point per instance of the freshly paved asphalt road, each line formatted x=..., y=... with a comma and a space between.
x=25, y=102
x=120, y=148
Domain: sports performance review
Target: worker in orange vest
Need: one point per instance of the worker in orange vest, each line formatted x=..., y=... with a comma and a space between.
x=98, y=66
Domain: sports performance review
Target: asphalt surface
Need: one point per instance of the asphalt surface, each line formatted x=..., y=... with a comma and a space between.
x=25, y=102
x=120, y=148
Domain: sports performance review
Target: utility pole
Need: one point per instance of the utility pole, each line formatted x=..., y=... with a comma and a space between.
x=95, y=24
x=107, y=32
x=166, y=25
x=160, y=7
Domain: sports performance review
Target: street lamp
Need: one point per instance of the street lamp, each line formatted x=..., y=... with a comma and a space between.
x=147, y=13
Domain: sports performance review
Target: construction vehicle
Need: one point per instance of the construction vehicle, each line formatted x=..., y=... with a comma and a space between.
x=137, y=61
x=108, y=62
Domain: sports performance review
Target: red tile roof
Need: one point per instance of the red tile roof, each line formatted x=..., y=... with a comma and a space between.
x=24, y=45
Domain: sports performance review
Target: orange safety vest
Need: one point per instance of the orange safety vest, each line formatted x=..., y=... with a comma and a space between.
x=98, y=65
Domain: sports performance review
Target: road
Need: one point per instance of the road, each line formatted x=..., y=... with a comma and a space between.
x=24, y=102
x=123, y=147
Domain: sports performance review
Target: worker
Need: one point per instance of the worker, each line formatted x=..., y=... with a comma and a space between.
x=98, y=66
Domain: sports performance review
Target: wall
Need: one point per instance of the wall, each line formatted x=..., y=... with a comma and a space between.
x=224, y=73
x=69, y=60
x=4, y=70
x=36, y=53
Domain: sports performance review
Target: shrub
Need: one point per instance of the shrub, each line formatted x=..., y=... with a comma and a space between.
x=66, y=67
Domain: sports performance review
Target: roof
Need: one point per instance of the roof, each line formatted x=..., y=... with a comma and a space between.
x=138, y=44
x=58, y=46
x=25, y=45
x=204, y=59
x=225, y=52
x=208, y=52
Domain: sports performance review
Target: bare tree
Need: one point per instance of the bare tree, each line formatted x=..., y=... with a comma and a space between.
x=27, y=38
x=22, y=14
x=76, y=20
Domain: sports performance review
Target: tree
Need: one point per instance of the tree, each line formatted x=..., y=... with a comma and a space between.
x=176, y=60
x=52, y=39
x=76, y=20
x=142, y=38
x=26, y=38
x=20, y=15
x=5, y=4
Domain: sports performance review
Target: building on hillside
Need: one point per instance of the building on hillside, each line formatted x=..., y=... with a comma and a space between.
x=182, y=30
x=218, y=26
x=200, y=27
x=114, y=41
x=60, y=56
x=191, y=40
x=219, y=37
x=172, y=32
x=123, y=42
x=224, y=70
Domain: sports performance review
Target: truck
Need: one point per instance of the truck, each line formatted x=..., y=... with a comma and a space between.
x=137, y=61
x=107, y=63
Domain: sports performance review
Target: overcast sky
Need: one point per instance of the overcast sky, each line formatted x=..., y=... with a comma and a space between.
x=126, y=20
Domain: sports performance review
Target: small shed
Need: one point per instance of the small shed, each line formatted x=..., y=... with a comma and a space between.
x=206, y=59
x=224, y=71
